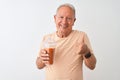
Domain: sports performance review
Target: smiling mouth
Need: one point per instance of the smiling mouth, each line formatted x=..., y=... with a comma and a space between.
x=64, y=26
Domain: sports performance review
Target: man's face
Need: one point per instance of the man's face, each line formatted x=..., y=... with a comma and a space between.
x=64, y=20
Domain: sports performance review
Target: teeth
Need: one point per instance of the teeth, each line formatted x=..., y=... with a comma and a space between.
x=63, y=26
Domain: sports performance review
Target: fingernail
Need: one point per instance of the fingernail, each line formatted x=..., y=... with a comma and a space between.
x=47, y=54
x=44, y=51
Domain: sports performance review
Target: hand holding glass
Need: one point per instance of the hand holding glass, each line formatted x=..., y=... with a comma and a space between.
x=49, y=46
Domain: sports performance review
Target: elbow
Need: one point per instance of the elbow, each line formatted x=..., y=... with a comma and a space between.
x=92, y=67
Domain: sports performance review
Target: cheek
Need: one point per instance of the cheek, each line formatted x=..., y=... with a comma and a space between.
x=70, y=28
x=58, y=24
x=58, y=21
x=71, y=24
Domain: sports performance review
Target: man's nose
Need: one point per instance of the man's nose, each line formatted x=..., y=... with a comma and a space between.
x=64, y=21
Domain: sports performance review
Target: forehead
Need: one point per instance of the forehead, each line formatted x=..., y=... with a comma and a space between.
x=65, y=10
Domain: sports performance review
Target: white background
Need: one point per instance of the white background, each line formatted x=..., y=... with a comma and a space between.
x=24, y=22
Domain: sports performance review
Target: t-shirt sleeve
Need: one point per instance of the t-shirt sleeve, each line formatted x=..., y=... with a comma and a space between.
x=87, y=42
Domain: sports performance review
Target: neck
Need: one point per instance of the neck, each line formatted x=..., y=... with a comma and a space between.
x=62, y=35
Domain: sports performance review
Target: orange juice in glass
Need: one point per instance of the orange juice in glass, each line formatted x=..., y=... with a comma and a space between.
x=50, y=45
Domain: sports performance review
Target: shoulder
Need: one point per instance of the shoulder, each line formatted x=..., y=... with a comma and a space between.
x=50, y=35
x=80, y=33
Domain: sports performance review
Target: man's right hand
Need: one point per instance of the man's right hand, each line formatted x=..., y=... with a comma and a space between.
x=43, y=59
x=44, y=56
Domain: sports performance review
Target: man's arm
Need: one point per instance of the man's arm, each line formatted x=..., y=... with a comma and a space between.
x=90, y=62
x=89, y=58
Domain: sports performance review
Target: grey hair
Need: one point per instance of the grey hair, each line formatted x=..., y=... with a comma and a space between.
x=67, y=5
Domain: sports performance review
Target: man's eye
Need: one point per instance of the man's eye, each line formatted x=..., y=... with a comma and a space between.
x=69, y=18
x=61, y=17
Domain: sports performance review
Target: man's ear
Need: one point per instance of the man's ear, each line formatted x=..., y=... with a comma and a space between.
x=54, y=17
x=74, y=19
